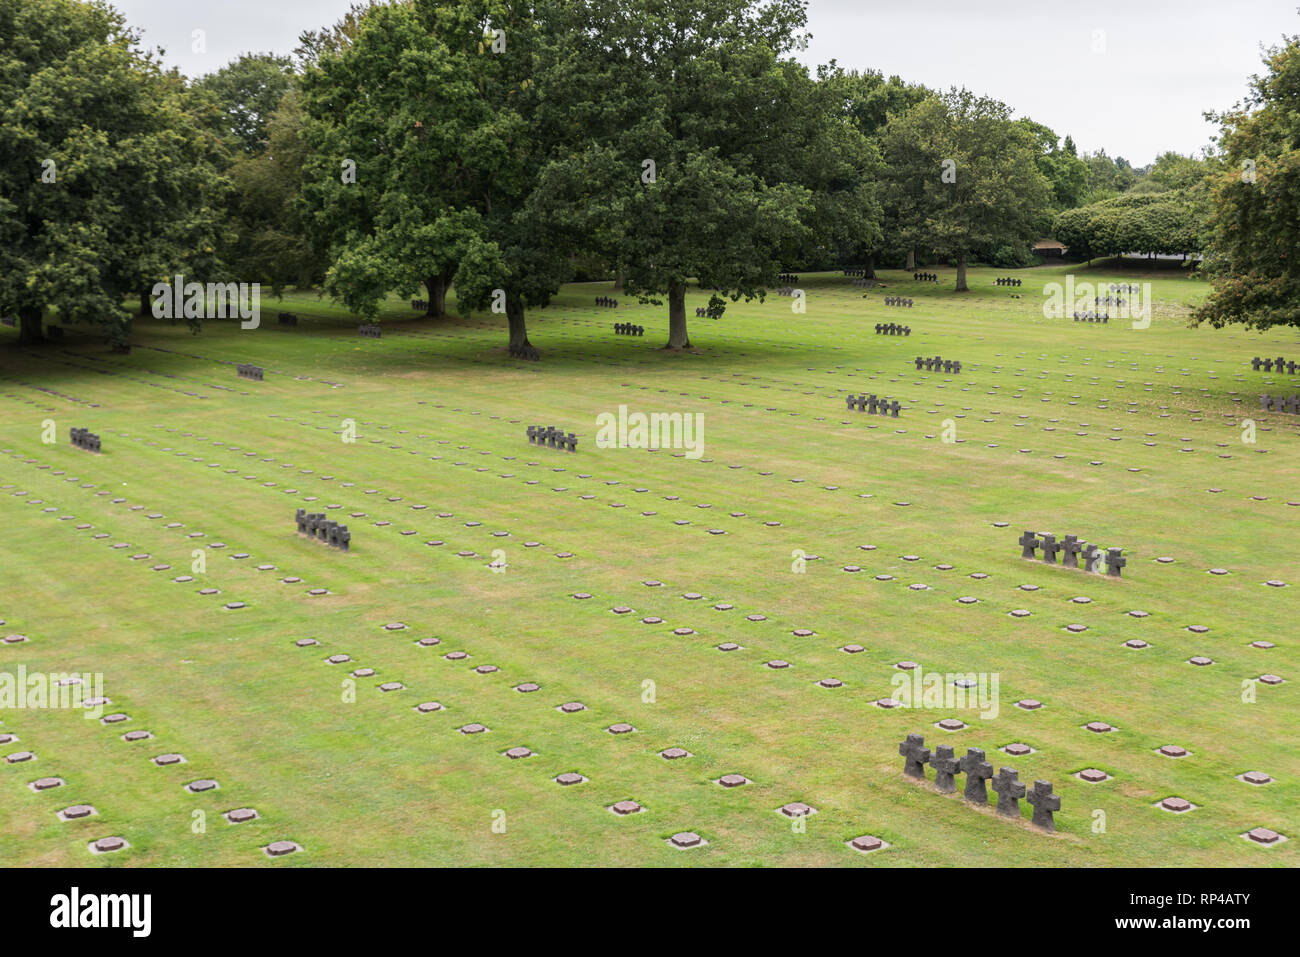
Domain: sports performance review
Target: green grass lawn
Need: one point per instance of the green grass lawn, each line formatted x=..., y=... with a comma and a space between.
x=1107, y=432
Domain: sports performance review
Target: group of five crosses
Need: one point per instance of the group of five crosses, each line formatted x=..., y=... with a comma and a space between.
x=977, y=770
x=1030, y=542
x=869, y=403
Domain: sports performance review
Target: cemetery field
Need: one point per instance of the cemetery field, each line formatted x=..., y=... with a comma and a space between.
x=802, y=529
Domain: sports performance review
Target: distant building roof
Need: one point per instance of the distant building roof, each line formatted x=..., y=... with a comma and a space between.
x=1048, y=244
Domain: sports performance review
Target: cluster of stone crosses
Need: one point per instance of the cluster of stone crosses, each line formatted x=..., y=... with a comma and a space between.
x=1278, y=365
x=869, y=403
x=924, y=277
x=1072, y=548
x=420, y=304
x=785, y=290
x=607, y=301
x=892, y=329
x=1109, y=300
x=788, y=278
x=705, y=312
x=858, y=273
x=552, y=438
x=370, y=330
x=86, y=439
x=288, y=319
x=1007, y=281
x=937, y=364
x=1006, y=785
x=1091, y=317
x=627, y=329
x=316, y=525
x=1278, y=403
x=898, y=301
x=247, y=371
x=531, y=353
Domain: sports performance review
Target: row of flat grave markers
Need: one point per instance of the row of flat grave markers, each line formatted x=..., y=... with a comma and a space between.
x=1277, y=403
x=531, y=353
x=1072, y=548
x=370, y=330
x=627, y=329
x=607, y=301
x=898, y=301
x=1006, y=785
x=85, y=439
x=1278, y=365
x=247, y=371
x=420, y=304
x=1007, y=281
x=869, y=403
x=288, y=319
x=316, y=525
x=938, y=364
x=1091, y=317
x=924, y=277
x=788, y=278
x=552, y=438
x=892, y=329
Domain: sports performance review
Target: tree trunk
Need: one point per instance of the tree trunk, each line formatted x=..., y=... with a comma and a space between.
x=911, y=260
x=870, y=271
x=29, y=320
x=437, y=287
x=518, y=323
x=677, y=337
x=146, y=302
x=961, y=273
x=618, y=282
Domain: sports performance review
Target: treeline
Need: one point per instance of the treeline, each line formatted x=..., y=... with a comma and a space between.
x=506, y=148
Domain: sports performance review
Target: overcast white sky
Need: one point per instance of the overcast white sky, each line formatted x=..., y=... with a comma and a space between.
x=1136, y=88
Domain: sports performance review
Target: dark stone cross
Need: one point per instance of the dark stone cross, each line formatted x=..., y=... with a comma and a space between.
x=1091, y=558
x=1028, y=544
x=1050, y=548
x=1045, y=804
x=893, y=408
x=1071, y=547
x=945, y=765
x=1255, y=363
x=1115, y=562
x=872, y=403
x=914, y=750
x=1010, y=791
x=919, y=362
x=977, y=771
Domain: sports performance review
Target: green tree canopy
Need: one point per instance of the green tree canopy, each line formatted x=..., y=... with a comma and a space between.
x=1254, y=232
x=964, y=176
x=109, y=181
